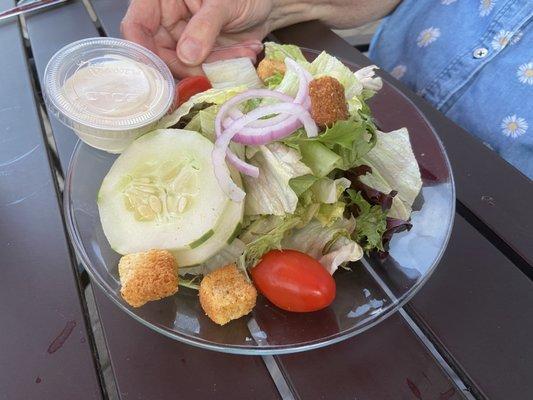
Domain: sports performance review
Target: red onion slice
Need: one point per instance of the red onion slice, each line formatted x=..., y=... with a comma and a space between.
x=241, y=165
x=251, y=129
x=234, y=192
x=303, y=84
x=257, y=136
x=250, y=94
x=302, y=97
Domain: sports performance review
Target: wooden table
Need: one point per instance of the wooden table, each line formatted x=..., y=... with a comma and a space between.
x=466, y=334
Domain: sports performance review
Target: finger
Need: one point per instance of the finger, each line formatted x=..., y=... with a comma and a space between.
x=232, y=52
x=164, y=39
x=141, y=22
x=200, y=34
x=178, y=69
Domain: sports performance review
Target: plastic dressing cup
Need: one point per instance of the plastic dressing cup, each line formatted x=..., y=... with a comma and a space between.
x=109, y=91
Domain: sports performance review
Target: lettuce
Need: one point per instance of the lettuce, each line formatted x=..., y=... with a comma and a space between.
x=371, y=83
x=288, y=82
x=329, y=213
x=373, y=196
x=394, y=167
x=301, y=183
x=331, y=245
x=339, y=252
x=358, y=86
x=270, y=193
x=264, y=234
x=319, y=158
x=329, y=191
x=228, y=255
x=204, y=122
x=273, y=81
x=322, y=200
x=326, y=64
x=275, y=51
x=341, y=146
x=370, y=222
x=211, y=96
x=232, y=72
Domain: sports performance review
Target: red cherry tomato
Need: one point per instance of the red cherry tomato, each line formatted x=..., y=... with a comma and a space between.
x=294, y=281
x=188, y=87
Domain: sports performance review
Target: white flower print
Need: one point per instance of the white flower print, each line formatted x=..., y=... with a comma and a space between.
x=513, y=126
x=399, y=71
x=525, y=73
x=517, y=36
x=427, y=36
x=501, y=39
x=447, y=2
x=485, y=7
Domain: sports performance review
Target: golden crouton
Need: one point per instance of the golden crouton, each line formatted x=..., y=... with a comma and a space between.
x=267, y=68
x=147, y=276
x=328, y=103
x=225, y=294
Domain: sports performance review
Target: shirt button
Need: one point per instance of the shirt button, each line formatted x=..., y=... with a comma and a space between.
x=480, y=52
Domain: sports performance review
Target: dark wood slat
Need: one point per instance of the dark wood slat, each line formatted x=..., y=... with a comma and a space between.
x=50, y=30
x=386, y=362
x=110, y=14
x=489, y=187
x=480, y=309
x=148, y=365
x=43, y=338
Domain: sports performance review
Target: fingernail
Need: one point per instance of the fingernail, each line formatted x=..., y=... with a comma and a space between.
x=189, y=51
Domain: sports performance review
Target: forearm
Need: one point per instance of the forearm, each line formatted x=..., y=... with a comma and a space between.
x=334, y=13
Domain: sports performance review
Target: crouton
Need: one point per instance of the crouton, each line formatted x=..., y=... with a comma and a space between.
x=147, y=276
x=267, y=68
x=328, y=103
x=225, y=294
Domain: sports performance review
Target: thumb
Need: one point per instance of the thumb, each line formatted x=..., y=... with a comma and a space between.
x=200, y=34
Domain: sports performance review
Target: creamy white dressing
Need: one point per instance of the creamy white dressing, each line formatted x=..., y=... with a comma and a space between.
x=119, y=88
x=109, y=91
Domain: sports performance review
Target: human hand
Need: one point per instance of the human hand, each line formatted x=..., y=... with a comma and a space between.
x=185, y=33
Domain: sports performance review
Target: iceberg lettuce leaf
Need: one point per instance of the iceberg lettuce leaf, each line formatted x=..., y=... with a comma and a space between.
x=394, y=167
x=264, y=234
x=276, y=51
x=330, y=245
x=232, y=72
x=211, y=96
x=326, y=64
x=271, y=193
x=341, y=146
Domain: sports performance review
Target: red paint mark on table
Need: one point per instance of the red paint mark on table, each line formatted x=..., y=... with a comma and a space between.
x=447, y=394
x=60, y=339
x=414, y=389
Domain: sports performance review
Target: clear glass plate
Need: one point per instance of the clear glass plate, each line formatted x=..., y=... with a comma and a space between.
x=366, y=295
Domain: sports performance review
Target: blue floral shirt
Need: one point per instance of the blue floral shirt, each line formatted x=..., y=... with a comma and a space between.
x=473, y=59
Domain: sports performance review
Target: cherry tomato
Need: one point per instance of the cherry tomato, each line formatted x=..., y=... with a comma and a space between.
x=188, y=87
x=294, y=281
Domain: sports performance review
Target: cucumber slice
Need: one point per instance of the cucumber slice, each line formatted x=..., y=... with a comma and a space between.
x=225, y=229
x=161, y=193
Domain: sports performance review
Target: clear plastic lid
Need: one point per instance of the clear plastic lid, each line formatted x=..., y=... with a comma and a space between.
x=107, y=84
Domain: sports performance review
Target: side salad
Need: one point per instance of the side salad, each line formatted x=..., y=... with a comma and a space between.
x=270, y=178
